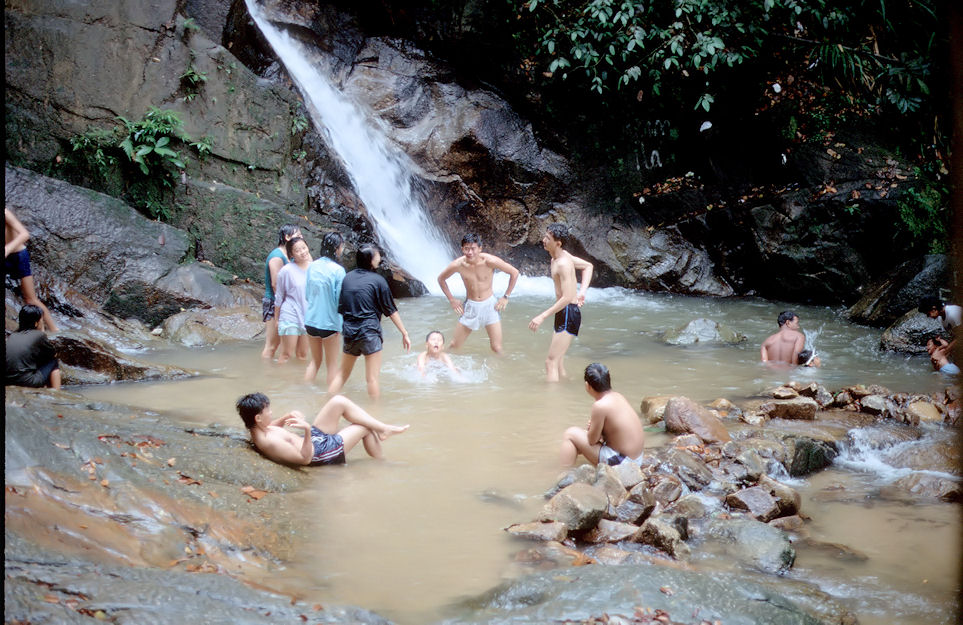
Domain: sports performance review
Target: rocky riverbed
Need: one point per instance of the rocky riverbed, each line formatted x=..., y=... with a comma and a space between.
x=130, y=516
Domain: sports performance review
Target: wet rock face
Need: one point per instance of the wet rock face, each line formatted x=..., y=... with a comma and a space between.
x=107, y=253
x=909, y=333
x=888, y=299
x=86, y=361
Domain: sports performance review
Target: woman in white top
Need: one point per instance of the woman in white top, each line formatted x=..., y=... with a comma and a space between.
x=290, y=301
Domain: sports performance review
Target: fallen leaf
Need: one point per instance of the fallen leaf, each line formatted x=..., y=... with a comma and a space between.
x=61, y=445
x=666, y=591
x=104, y=483
x=170, y=462
x=317, y=607
x=212, y=494
x=51, y=598
x=186, y=479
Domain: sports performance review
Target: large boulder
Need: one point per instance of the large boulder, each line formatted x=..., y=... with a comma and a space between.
x=909, y=333
x=86, y=361
x=887, y=299
x=703, y=331
x=108, y=253
x=682, y=416
x=578, y=506
x=753, y=543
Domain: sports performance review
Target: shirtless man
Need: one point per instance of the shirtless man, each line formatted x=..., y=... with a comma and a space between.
x=939, y=351
x=784, y=346
x=318, y=444
x=477, y=269
x=569, y=299
x=614, y=433
x=17, y=265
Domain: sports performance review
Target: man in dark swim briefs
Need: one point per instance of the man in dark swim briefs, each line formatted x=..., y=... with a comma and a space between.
x=320, y=443
x=569, y=298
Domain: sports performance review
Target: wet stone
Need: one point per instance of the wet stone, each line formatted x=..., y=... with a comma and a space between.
x=665, y=488
x=792, y=523
x=653, y=407
x=662, y=535
x=631, y=512
x=611, y=532
x=798, y=408
x=578, y=506
x=545, y=531
x=756, y=501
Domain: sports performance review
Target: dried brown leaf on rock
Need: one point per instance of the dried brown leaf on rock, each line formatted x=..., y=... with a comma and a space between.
x=186, y=479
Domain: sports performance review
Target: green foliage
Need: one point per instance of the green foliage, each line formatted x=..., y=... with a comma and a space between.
x=923, y=209
x=192, y=79
x=609, y=45
x=299, y=123
x=137, y=160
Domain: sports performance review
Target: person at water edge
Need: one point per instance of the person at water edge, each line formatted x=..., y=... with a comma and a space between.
x=31, y=356
x=322, y=321
x=950, y=316
x=319, y=443
x=480, y=308
x=290, y=301
x=614, y=432
x=785, y=345
x=939, y=351
x=808, y=358
x=569, y=298
x=435, y=352
x=277, y=259
x=365, y=297
x=17, y=265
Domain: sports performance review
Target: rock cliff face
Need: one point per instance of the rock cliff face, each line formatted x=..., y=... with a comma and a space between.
x=74, y=67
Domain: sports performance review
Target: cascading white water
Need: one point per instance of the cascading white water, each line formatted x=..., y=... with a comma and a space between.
x=380, y=173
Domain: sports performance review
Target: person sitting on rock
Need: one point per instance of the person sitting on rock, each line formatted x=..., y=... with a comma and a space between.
x=939, y=351
x=784, y=346
x=31, y=356
x=320, y=443
x=808, y=358
x=614, y=432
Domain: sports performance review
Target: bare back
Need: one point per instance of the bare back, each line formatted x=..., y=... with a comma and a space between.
x=783, y=346
x=621, y=428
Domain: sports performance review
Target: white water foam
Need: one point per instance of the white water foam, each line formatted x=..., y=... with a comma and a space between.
x=859, y=455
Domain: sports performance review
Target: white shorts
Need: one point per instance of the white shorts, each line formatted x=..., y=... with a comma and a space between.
x=479, y=314
x=609, y=456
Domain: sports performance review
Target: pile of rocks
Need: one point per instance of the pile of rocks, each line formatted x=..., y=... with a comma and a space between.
x=713, y=485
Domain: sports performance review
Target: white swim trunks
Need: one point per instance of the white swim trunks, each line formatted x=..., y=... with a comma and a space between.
x=479, y=314
x=609, y=456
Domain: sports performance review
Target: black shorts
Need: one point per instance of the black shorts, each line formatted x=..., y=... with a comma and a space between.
x=321, y=334
x=364, y=344
x=17, y=265
x=569, y=319
x=267, y=309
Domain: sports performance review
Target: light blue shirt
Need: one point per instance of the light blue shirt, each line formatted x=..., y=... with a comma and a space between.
x=322, y=291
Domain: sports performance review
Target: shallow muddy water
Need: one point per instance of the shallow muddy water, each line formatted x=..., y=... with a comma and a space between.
x=410, y=536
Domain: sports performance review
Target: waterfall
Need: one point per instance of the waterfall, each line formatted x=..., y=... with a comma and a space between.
x=381, y=173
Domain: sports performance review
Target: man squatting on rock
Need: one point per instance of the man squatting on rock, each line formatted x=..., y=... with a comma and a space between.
x=318, y=444
x=614, y=432
x=784, y=346
x=480, y=308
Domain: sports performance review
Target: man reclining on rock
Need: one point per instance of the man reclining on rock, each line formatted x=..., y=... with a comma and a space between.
x=318, y=444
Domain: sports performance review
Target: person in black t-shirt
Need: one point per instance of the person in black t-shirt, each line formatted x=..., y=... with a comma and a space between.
x=31, y=356
x=365, y=298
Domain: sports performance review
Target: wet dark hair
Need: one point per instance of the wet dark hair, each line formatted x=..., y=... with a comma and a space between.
x=597, y=376
x=250, y=406
x=330, y=244
x=471, y=237
x=929, y=302
x=559, y=232
x=364, y=257
x=784, y=316
x=286, y=231
x=29, y=316
x=428, y=336
x=804, y=356
x=289, y=246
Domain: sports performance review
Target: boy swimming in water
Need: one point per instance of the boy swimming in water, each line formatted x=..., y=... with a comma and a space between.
x=435, y=351
x=320, y=443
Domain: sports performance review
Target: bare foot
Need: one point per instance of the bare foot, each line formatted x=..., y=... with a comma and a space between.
x=391, y=430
